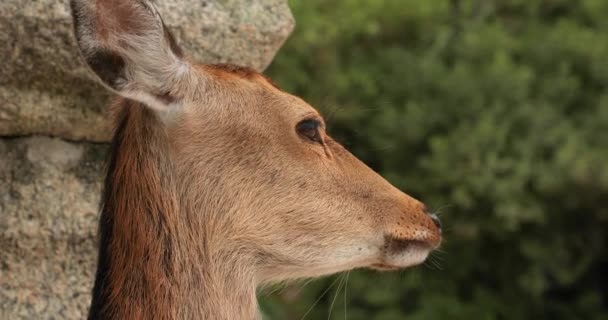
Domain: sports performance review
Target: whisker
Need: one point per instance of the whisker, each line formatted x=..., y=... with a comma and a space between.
x=439, y=253
x=438, y=210
x=277, y=287
x=435, y=260
x=319, y=299
x=427, y=264
x=437, y=265
x=345, y=290
x=331, y=306
x=304, y=284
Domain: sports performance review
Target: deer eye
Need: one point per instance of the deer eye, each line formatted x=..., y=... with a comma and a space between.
x=310, y=129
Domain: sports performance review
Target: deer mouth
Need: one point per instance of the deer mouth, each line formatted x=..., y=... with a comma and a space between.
x=384, y=267
x=401, y=253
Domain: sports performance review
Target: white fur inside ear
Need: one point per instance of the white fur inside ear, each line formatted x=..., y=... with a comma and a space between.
x=151, y=101
x=132, y=52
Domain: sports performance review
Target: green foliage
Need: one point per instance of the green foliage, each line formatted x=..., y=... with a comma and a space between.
x=495, y=113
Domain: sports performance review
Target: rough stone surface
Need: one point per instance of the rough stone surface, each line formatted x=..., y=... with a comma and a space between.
x=50, y=187
x=45, y=88
x=49, y=194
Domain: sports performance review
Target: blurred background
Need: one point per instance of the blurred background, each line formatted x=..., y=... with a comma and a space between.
x=494, y=113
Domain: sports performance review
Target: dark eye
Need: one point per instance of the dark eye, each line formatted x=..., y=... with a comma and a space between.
x=310, y=129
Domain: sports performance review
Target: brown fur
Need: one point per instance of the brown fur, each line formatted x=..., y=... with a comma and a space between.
x=116, y=17
x=212, y=192
x=144, y=211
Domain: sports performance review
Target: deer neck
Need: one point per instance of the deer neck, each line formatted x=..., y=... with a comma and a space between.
x=153, y=262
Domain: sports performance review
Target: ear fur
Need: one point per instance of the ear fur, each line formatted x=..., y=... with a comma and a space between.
x=126, y=44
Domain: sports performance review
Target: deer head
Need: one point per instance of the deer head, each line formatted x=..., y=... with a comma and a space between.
x=219, y=181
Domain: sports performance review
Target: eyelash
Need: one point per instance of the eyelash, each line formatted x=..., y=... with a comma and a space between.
x=310, y=130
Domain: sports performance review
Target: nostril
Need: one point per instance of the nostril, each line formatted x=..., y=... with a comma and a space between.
x=436, y=220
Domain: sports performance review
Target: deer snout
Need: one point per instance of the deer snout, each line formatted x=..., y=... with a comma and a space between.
x=410, y=237
x=415, y=224
x=436, y=237
x=436, y=221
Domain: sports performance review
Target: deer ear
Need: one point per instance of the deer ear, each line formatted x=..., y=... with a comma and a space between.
x=127, y=45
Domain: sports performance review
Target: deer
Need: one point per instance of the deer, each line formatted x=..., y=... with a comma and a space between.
x=218, y=182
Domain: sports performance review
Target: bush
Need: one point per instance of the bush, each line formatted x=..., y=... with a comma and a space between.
x=494, y=113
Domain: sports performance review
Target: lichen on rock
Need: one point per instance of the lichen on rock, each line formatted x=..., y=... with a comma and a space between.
x=53, y=129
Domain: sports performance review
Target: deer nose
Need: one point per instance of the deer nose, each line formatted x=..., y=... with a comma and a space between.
x=436, y=220
x=433, y=217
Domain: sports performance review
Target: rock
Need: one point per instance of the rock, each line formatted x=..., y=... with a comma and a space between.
x=45, y=88
x=49, y=187
x=50, y=191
